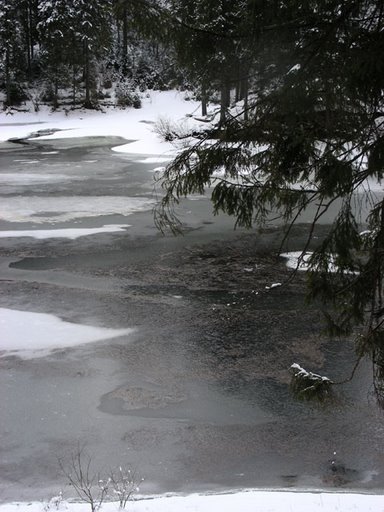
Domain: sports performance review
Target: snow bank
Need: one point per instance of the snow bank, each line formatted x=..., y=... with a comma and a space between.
x=131, y=124
x=30, y=335
x=253, y=501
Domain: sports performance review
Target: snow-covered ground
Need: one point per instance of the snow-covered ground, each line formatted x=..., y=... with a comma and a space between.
x=132, y=124
x=252, y=501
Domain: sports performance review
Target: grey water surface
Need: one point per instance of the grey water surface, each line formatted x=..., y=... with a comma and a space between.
x=197, y=398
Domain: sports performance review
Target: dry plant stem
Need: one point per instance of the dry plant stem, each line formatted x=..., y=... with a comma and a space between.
x=85, y=483
x=123, y=483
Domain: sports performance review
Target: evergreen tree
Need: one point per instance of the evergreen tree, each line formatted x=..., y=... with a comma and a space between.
x=10, y=43
x=78, y=34
x=206, y=45
x=313, y=135
x=58, y=40
x=146, y=30
x=92, y=24
x=28, y=14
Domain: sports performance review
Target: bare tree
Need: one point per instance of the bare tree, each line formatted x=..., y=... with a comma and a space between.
x=86, y=483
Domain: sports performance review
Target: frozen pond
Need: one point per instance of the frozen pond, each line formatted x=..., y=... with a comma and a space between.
x=165, y=354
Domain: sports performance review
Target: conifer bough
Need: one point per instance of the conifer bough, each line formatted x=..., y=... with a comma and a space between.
x=310, y=133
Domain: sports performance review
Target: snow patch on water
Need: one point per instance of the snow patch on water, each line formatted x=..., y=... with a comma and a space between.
x=70, y=233
x=31, y=335
x=298, y=260
x=27, y=161
x=28, y=178
x=40, y=209
x=273, y=285
x=153, y=160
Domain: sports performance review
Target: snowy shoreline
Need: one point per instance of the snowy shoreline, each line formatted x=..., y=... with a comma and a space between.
x=244, y=501
x=135, y=125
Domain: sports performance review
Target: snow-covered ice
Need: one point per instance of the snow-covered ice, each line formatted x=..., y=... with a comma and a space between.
x=152, y=160
x=41, y=209
x=30, y=335
x=70, y=233
x=30, y=178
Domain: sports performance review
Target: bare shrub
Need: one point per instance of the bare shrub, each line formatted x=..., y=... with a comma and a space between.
x=123, y=484
x=55, y=503
x=89, y=487
x=169, y=130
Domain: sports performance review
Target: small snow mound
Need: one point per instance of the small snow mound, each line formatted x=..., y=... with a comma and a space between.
x=273, y=285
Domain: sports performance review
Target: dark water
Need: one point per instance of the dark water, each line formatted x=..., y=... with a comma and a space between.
x=197, y=398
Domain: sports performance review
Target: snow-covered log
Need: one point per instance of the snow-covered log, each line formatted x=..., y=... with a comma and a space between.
x=308, y=385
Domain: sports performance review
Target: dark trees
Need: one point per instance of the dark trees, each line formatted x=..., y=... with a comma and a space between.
x=75, y=34
x=54, y=44
x=312, y=134
x=10, y=40
x=207, y=41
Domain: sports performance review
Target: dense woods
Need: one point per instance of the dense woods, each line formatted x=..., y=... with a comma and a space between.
x=73, y=52
x=85, y=53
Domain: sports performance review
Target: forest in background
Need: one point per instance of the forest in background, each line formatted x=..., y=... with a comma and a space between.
x=79, y=53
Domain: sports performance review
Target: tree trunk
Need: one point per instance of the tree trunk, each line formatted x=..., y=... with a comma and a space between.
x=239, y=83
x=203, y=100
x=245, y=92
x=74, y=85
x=224, y=100
x=56, y=89
x=30, y=28
x=87, y=103
x=238, y=91
x=27, y=43
x=7, y=77
x=125, y=41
